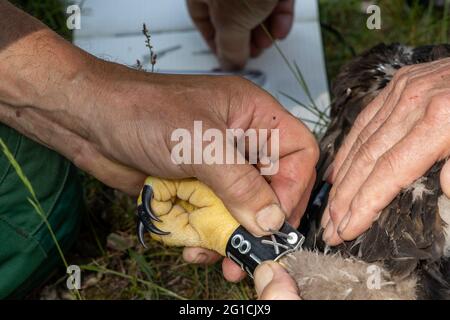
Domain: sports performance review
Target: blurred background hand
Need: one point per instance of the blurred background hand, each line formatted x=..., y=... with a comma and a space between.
x=232, y=28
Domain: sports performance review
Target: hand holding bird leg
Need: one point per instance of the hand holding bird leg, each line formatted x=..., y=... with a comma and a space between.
x=189, y=214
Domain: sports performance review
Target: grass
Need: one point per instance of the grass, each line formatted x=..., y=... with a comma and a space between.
x=50, y=12
x=116, y=267
x=414, y=24
x=34, y=202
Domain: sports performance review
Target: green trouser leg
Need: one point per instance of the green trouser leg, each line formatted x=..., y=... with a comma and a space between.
x=27, y=251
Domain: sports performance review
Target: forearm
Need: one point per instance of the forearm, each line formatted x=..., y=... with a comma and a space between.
x=44, y=80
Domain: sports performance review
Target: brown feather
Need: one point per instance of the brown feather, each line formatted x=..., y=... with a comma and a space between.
x=408, y=237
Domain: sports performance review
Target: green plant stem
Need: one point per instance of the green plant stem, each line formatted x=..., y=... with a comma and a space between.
x=295, y=70
x=126, y=276
x=35, y=203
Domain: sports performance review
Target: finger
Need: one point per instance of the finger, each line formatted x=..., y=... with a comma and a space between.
x=232, y=46
x=199, y=12
x=325, y=218
x=299, y=210
x=272, y=282
x=282, y=19
x=389, y=97
x=336, y=170
x=363, y=119
x=293, y=181
x=200, y=255
x=278, y=25
x=298, y=153
x=257, y=205
x=255, y=51
x=397, y=169
x=231, y=271
x=445, y=179
x=260, y=40
x=246, y=194
x=406, y=93
x=395, y=128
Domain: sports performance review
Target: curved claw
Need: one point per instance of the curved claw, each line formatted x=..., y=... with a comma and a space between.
x=147, y=194
x=148, y=223
x=140, y=233
x=146, y=216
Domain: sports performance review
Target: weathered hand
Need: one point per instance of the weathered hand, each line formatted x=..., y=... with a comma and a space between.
x=135, y=128
x=116, y=123
x=272, y=282
x=135, y=120
x=231, y=28
x=394, y=141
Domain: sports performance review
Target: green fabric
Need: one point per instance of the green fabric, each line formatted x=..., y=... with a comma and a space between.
x=27, y=251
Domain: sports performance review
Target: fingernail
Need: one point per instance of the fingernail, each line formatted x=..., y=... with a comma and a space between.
x=344, y=223
x=328, y=172
x=329, y=230
x=270, y=218
x=263, y=276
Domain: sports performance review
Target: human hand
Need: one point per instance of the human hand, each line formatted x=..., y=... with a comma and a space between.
x=272, y=282
x=394, y=141
x=232, y=28
x=116, y=123
x=133, y=127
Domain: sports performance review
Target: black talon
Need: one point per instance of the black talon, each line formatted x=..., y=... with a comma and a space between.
x=155, y=230
x=140, y=233
x=148, y=223
x=147, y=194
x=146, y=216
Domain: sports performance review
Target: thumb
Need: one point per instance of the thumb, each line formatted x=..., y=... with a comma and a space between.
x=233, y=46
x=247, y=195
x=445, y=179
x=272, y=282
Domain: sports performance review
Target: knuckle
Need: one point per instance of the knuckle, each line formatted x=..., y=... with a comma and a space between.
x=246, y=186
x=411, y=91
x=364, y=155
x=357, y=203
x=336, y=211
x=402, y=78
x=402, y=73
x=334, y=215
x=362, y=206
x=362, y=137
x=387, y=163
x=358, y=207
x=438, y=109
x=362, y=120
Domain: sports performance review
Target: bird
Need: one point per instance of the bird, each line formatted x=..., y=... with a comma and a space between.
x=405, y=254
x=411, y=238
